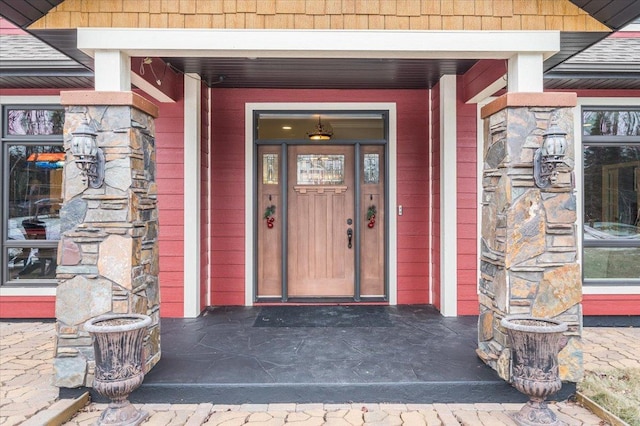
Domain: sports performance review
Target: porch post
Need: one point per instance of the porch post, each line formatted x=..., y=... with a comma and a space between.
x=528, y=242
x=448, y=198
x=108, y=261
x=192, y=155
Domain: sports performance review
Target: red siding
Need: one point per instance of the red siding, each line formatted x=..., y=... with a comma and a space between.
x=27, y=307
x=170, y=181
x=466, y=153
x=611, y=304
x=227, y=120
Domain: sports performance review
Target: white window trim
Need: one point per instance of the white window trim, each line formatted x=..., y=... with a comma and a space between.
x=250, y=176
x=32, y=290
x=577, y=120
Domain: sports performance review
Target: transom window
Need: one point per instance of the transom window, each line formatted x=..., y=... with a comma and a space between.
x=31, y=193
x=611, y=158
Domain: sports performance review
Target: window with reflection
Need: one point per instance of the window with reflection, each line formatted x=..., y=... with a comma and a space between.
x=611, y=160
x=32, y=163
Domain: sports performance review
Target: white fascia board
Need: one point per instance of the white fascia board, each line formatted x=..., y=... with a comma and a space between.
x=318, y=43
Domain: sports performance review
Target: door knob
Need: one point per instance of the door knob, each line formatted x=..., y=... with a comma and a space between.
x=349, y=237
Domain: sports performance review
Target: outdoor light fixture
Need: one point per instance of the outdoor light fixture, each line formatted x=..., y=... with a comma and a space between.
x=320, y=132
x=549, y=155
x=88, y=157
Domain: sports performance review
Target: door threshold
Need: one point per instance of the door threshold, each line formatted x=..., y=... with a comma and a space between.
x=328, y=301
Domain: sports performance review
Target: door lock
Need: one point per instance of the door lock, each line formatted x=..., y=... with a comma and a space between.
x=349, y=237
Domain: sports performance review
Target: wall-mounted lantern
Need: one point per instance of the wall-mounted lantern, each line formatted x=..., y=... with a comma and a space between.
x=549, y=155
x=88, y=157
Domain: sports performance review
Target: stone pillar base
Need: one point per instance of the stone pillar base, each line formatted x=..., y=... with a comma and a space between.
x=108, y=252
x=529, y=245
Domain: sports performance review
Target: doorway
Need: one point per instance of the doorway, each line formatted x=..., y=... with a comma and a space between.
x=321, y=206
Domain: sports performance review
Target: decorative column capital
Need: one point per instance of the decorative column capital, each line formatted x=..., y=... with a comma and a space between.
x=533, y=99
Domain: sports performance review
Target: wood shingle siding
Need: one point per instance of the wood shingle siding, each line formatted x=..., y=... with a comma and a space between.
x=493, y=15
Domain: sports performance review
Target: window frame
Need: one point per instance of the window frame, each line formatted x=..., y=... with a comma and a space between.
x=23, y=287
x=602, y=141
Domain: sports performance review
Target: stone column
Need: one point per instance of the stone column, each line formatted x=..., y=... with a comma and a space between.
x=108, y=252
x=529, y=247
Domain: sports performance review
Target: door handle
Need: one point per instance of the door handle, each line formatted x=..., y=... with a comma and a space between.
x=349, y=237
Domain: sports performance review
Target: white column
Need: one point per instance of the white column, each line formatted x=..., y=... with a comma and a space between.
x=525, y=73
x=112, y=71
x=192, y=112
x=448, y=198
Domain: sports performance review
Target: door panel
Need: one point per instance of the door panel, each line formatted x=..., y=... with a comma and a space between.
x=321, y=191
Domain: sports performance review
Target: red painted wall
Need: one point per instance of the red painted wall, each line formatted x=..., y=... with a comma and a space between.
x=467, y=200
x=228, y=156
x=170, y=181
x=612, y=304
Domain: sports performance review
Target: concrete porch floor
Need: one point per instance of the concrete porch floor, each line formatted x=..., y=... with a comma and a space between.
x=338, y=354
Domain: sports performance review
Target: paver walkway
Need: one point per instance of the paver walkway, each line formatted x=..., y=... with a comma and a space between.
x=26, y=372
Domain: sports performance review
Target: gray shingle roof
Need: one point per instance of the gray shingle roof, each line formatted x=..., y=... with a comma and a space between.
x=26, y=51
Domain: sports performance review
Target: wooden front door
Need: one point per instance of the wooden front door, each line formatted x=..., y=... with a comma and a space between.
x=321, y=231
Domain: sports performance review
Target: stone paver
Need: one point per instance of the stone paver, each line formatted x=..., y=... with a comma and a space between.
x=26, y=388
x=26, y=376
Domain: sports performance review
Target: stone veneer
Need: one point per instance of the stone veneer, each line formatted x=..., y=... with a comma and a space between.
x=108, y=252
x=528, y=248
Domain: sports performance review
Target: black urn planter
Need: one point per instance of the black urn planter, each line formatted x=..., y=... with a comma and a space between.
x=535, y=344
x=117, y=342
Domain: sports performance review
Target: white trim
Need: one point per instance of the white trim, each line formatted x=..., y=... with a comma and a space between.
x=318, y=43
x=112, y=71
x=250, y=177
x=578, y=168
x=192, y=118
x=525, y=73
x=150, y=88
x=483, y=95
x=36, y=100
x=27, y=291
x=611, y=290
x=53, y=100
x=448, y=198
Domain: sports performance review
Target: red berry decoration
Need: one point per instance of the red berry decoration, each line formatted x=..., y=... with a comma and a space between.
x=370, y=224
x=269, y=224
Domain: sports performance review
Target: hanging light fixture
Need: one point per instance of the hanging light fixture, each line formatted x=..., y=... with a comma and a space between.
x=320, y=132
